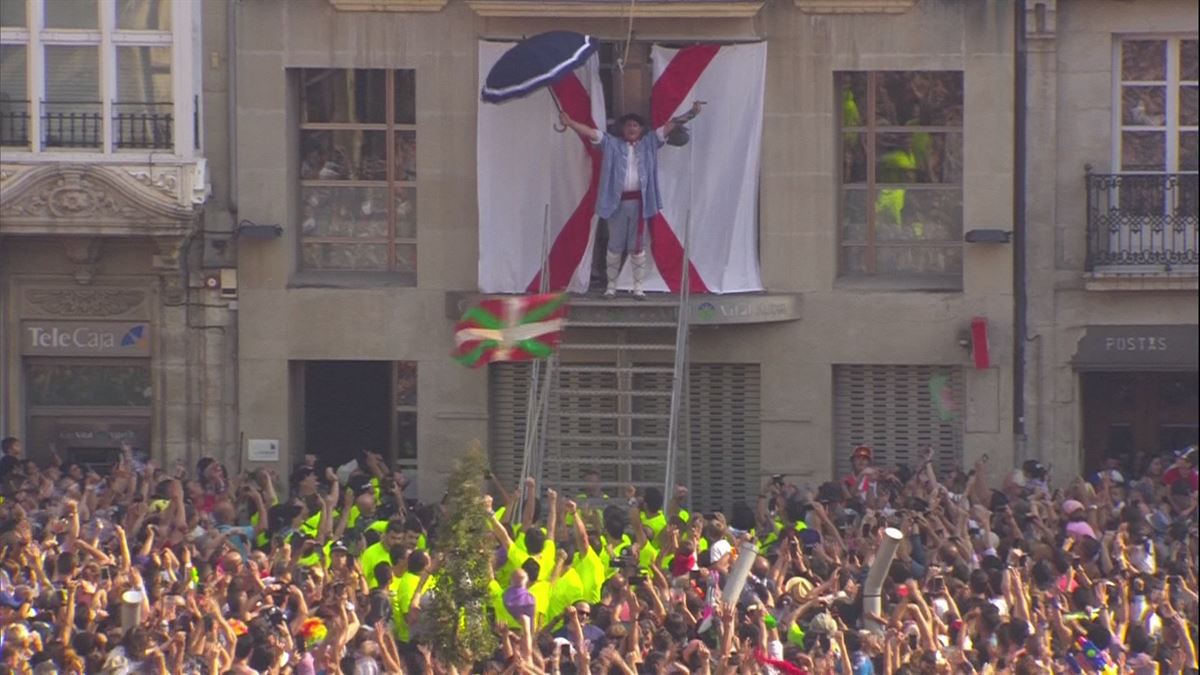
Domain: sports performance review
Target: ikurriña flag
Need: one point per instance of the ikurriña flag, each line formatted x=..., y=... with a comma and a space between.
x=516, y=328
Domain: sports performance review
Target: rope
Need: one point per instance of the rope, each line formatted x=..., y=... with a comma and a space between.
x=625, y=53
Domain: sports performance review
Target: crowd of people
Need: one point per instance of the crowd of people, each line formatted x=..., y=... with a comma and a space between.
x=179, y=569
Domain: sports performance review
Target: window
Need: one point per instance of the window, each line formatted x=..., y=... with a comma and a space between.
x=901, y=176
x=898, y=411
x=358, y=172
x=1157, y=97
x=85, y=92
x=85, y=384
x=404, y=397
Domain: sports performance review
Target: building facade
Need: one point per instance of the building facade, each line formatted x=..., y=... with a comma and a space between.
x=356, y=127
x=107, y=334
x=1112, y=231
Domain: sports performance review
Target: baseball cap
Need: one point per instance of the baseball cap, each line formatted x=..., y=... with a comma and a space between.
x=1071, y=506
x=861, y=451
x=718, y=550
x=339, y=546
x=10, y=601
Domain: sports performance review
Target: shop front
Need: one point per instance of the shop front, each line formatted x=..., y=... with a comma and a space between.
x=87, y=388
x=1140, y=392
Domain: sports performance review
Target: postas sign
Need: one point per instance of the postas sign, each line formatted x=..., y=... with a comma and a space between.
x=85, y=338
x=1138, y=346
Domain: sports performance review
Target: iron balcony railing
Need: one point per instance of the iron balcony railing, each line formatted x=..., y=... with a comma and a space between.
x=1141, y=222
x=143, y=125
x=72, y=124
x=14, y=123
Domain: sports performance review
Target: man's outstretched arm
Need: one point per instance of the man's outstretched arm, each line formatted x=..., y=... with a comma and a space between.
x=682, y=119
x=578, y=127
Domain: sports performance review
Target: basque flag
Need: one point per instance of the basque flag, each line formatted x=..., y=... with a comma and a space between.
x=518, y=328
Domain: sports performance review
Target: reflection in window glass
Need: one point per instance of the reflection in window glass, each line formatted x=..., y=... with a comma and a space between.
x=406, y=97
x=72, y=74
x=143, y=74
x=922, y=98
x=406, y=436
x=143, y=14
x=88, y=385
x=349, y=154
x=333, y=257
x=1144, y=60
x=14, y=95
x=350, y=96
x=71, y=111
x=902, y=166
x=12, y=14
x=345, y=212
x=406, y=383
x=358, y=170
x=72, y=14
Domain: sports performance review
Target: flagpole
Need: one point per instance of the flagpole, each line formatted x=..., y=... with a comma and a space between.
x=531, y=465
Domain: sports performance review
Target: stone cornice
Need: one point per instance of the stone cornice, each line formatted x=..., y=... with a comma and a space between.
x=388, y=5
x=855, y=6
x=645, y=9
x=89, y=200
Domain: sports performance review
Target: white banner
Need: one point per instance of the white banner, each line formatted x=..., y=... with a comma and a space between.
x=523, y=165
x=714, y=178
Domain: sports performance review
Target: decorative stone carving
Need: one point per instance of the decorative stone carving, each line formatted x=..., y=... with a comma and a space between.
x=91, y=200
x=1041, y=19
x=87, y=302
x=388, y=5
x=855, y=6
x=84, y=254
x=170, y=249
x=171, y=286
x=165, y=183
x=643, y=9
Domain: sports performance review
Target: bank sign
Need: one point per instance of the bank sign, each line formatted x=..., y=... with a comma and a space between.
x=80, y=338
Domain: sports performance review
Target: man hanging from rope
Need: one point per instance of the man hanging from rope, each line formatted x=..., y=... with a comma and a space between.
x=628, y=195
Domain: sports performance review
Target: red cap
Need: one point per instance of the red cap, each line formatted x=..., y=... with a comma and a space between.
x=861, y=451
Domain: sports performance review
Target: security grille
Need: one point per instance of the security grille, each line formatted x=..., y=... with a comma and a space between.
x=898, y=411
x=508, y=394
x=724, y=408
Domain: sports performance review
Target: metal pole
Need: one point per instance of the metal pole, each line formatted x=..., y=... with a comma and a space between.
x=873, y=586
x=531, y=464
x=680, y=367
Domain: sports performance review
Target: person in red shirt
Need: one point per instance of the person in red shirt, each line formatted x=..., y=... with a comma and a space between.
x=1184, y=468
x=861, y=483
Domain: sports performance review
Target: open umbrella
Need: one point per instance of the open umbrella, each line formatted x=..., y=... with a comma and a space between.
x=535, y=63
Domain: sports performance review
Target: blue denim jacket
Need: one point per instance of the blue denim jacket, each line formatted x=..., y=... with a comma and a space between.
x=612, y=173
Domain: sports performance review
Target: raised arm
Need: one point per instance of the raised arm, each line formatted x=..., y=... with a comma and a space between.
x=579, y=127
x=683, y=119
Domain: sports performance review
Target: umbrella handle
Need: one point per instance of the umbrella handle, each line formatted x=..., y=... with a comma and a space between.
x=553, y=97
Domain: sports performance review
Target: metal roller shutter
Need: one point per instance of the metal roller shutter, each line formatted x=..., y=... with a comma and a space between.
x=725, y=409
x=508, y=393
x=898, y=411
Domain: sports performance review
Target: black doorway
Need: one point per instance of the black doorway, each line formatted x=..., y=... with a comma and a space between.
x=346, y=408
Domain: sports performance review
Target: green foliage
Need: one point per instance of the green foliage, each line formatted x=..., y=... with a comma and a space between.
x=461, y=632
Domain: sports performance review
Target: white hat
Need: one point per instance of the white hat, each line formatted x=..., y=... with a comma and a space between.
x=718, y=550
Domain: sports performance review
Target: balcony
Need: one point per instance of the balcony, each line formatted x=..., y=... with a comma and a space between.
x=143, y=125
x=1142, y=225
x=14, y=124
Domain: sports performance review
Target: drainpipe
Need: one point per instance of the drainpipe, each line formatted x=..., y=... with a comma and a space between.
x=231, y=44
x=1020, y=75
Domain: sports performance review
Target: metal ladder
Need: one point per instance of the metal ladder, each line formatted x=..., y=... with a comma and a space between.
x=616, y=406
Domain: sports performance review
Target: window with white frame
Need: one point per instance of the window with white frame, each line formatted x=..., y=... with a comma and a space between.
x=1156, y=105
x=87, y=75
